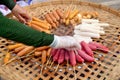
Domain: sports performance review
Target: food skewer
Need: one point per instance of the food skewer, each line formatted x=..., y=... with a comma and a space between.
x=17, y=57
x=67, y=58
x=74, y=72
x=44, y=56
x=7, y=56
x=55, y=57
x=61, y=58
x=73, y=61
x=80, y=60
x=49, y=56
x=97, y=46
x=52, y=53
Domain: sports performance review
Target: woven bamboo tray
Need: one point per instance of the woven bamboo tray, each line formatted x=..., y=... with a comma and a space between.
x=106, y=66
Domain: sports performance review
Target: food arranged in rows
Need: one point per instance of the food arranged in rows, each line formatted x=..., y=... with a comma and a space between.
x=53, y=19
x=86, y=27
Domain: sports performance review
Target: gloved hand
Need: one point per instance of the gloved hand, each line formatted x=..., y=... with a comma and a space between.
x=66, y=42
x=21, y=14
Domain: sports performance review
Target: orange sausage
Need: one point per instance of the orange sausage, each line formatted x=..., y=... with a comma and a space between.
x=47, y=24
x=54, y=20
x=73, y=14
x=67, y=22
x=19, y=49
x=48, y=52
x=44, y=56
x=47, y=17
x=25, y=51
x=67, y=13
x=42, y=21
x=40, y=24
x=38, y=53
x=56, y=15
x=52, y=17
x=60, y=13
x=36, y=19
x=54, y=25
x=11, y=47
x=36, y=27
x=39, y=28
x=7, y=57
x=42, y=48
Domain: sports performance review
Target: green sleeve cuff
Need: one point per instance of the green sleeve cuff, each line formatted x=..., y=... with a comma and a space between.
x=9, y=3
x=18, y=32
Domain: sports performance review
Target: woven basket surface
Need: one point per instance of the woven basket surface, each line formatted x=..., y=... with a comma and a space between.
x=106, y=66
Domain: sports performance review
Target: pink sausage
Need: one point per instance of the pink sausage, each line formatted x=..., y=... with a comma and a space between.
x=61, y=56
x=53, y=51
x=79, y=58
x=92, y=47
x=72, y=58
x=100, y=46
x=86, y=48
x=85, y=56
x=56, y=56
x=67, y=57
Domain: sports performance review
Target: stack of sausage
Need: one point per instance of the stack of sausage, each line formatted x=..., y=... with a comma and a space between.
x=68, y=17
x=73, y=17
x=22, y=50
x=40, y=25
x=73, y=56
x=56, y=17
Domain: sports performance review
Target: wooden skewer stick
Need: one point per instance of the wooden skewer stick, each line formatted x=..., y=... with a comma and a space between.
x=98, y=53
x=99, y=63
x=111, y=33
x=74, y=72
x=57, y=68
x=67, y=64
x=113, y=40
x=87, y=67
x=41, y=69
x=51, y=64
x=48, y=60
x=107, y=52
